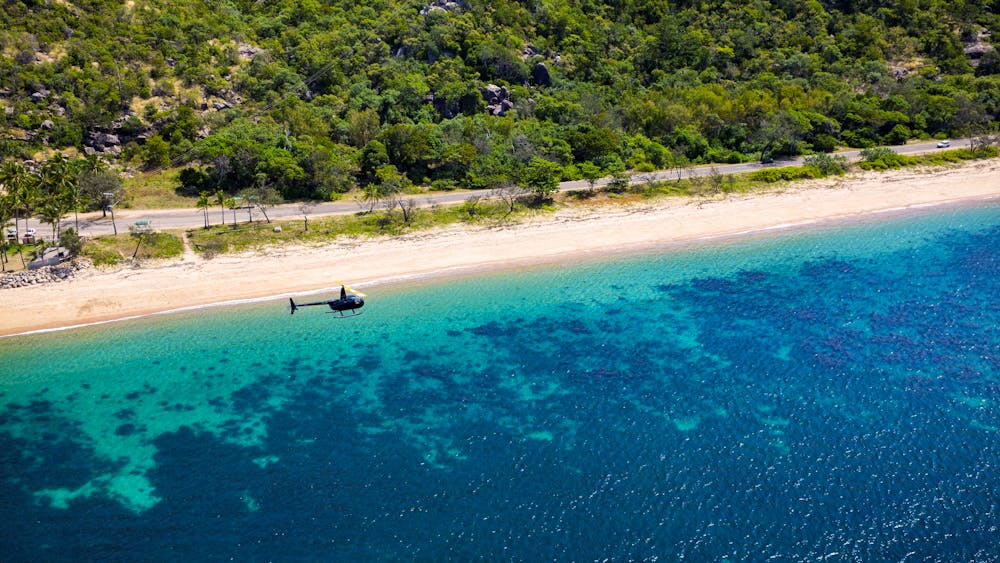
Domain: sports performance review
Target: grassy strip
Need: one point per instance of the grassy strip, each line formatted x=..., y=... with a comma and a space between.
x=113, y=249
x=19, y=255
x=221, y=239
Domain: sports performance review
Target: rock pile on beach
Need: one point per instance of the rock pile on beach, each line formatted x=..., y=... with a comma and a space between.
x=40, y=276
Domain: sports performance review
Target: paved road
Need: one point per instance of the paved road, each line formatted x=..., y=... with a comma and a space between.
x=95, y=224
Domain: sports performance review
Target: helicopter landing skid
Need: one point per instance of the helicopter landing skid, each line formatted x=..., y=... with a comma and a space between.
x=343, y=316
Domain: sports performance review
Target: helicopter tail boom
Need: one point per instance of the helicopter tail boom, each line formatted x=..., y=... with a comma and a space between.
x=294, y=306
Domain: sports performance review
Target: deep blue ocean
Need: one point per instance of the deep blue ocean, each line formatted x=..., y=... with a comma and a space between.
x=829, y=393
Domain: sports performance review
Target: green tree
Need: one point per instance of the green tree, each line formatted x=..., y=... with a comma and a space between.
x=193, y=180
x=362, y=126
x=388, y=182
x=181, y=124
x=283, y=171
x=95, y=185
x=591, y=173
x=156, y=153
x=411, y=148
x=373, y=156
x=593, y=143
x=989, y=63
x=263, y=195
x=541, y=177
x=332, y=170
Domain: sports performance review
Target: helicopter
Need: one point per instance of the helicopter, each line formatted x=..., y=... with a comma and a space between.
x=350, y=300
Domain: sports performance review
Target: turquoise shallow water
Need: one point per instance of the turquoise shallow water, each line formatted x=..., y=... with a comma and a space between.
x=824, y=393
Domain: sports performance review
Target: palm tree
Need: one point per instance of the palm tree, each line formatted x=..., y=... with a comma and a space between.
x=51, y=212
x=16, y=182
x=11, y=176
x=57, y=175
x=57, y=191
x=221, y=200
x=6, y=214
x=203, y=204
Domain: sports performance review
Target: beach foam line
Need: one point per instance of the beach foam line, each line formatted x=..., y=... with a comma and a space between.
x=848, y=218
x=174, y=310
x=779, y=227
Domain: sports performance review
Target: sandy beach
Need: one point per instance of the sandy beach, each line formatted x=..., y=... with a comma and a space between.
x=101, y=295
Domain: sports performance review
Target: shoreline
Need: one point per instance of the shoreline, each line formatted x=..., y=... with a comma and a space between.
x=579, y=232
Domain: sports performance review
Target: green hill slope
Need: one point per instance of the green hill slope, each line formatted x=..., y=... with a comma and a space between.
x=312, y=97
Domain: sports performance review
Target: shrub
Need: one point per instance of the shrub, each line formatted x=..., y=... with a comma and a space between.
x=444, y=185
x=828, y=164
x=212, y=247
x=824, y=143
x=786, y=173
x=161, y=245
x=102, y=255
x=882, y=158
x=618, y=184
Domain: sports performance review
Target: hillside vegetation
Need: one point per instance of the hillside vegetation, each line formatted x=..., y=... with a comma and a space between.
x=310, y=98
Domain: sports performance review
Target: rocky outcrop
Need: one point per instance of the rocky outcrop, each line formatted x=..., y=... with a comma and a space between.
x=497, y=98
x=248, y=52
x=103, y=142
x=977, y=46
x=442, y=6
x=51, y=274
x=110, y=140
x=975, y=51
x=540, y=75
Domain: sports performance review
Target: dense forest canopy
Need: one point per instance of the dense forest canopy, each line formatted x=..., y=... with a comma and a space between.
x=312, y=98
